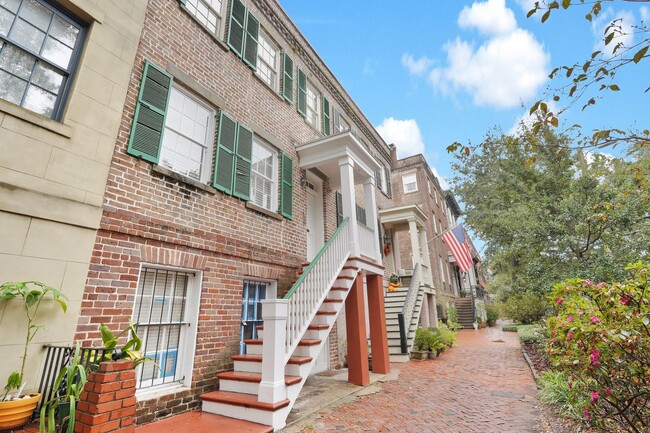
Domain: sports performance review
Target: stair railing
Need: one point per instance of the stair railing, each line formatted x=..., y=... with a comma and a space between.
x=311, y=288
x=411, y=298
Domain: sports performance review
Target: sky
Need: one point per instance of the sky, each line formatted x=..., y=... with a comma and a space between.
x=427, y=73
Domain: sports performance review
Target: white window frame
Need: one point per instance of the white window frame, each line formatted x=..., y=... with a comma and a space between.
x=442, y=270
x=340, y=124
x=267, y=45
x=208, y=143
x=193, y=8
x=410, y=179
x=273, y=202
x=188, y=336
x=313, y=111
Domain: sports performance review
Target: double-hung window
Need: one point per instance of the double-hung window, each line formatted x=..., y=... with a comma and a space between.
x=410, y=182
x=313, y=106
x=340, y=124
x=165, y=310
x=268, y=60
x=207, y=12
x=39, y=47
x=187, y=141
x=264, y=171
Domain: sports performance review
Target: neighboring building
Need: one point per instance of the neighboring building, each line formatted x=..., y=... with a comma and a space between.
x=64, y=72
x=233, y=144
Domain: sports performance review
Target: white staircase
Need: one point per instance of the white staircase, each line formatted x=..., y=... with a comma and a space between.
x=267, y=380
x=408, y=301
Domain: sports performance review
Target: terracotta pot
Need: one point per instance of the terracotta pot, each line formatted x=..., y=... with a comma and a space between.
x=16, y=413
x=433, y=354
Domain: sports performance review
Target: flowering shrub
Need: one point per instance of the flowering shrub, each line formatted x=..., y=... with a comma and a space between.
x=600, y=336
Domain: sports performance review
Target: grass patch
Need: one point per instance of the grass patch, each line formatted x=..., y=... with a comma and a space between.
x=531, y=334
x=509, y=328
x=555, y=389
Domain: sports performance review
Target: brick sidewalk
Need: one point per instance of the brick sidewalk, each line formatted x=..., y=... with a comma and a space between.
x=481, y=385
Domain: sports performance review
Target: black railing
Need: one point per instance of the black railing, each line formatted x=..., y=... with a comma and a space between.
x=56, y=358
x=402, y=333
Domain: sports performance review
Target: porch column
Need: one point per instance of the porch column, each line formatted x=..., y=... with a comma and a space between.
x=426, y=260
x=378, y=332
x=370, y=201
x=355, y=324
x=424, y=315
x=272, y=387
x=415, y=242
x=396, y=251
x=346, y=167
x=434, y=311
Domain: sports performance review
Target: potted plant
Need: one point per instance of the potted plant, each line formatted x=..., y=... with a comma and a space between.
x=420, y=350
x=16, y=408
x=61, y=409
x=475, y=324
x=436, y=344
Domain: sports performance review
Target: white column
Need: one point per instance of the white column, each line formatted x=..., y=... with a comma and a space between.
x=346, y=167
x=415, y=242
x=424, y=314
x=370, y=202
x=272, y=387
x=426, y=259
x=396, y=251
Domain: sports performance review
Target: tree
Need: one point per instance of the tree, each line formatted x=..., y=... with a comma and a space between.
x=562, y=214
x=597, y=72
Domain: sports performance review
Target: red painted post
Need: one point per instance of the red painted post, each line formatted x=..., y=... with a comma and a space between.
x=355, y=321
x=378, y=333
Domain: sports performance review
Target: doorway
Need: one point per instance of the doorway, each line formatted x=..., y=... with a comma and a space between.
x=315, y=220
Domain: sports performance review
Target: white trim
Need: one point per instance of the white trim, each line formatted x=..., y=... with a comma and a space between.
x=408, y=179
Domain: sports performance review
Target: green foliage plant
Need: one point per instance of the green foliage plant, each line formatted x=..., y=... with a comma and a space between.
x=132, y=349
x=32, y=294
x=492, y=314
x=556, y=388
x=452, y=319
x=600, y=336
x=421, y=341
x=531, y=334
x=448, y=336
x=74, y=377
x=509, y=328
x=435, y=341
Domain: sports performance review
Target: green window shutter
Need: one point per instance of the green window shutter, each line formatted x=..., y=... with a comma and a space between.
x=150, y=112
x=286, y=187
x=250, y=44
x=378, y=178
x=287, y=78
x=361, y=215
x=243, y=159
x=389, y=185
x=326, y=116
x=236, y=27
x=225, y=157
x=301, y=103
x=339, y=208
x=182, y=2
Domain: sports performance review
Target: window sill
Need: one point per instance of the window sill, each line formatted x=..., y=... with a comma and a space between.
x=179, y=177
x=35, y=119
x=263, y=211
x=159, y=391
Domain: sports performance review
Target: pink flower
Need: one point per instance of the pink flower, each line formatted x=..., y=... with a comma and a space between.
x=624, y=300
x=594, y=396
x=586, y=414
x=559, y=300
x=608, y=391
x=569, y=319
x=580, y=313
x=600, y=285
x=594, y=319
x=588, y=283
x=594, y=357
x=569, y=335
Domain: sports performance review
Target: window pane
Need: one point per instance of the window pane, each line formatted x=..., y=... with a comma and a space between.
x=46, y=77
x=36, y=14
x=27, y=35
x=11, y=88
x=11, y=5
x=57, y=52
x=16, y=61
x=64, y=32
x=39, y=100
x=6, y=19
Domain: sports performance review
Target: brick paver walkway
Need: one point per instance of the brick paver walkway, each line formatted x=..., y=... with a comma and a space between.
x=481, y=385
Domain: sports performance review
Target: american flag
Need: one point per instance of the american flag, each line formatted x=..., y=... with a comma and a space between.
x=457, y=244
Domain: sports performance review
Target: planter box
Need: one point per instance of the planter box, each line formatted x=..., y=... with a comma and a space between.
x=433, y=355
x=417, y=355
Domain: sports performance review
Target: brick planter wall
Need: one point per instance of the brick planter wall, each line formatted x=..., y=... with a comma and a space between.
x=107, y=403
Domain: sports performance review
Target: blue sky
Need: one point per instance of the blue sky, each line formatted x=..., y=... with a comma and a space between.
x=427, y=73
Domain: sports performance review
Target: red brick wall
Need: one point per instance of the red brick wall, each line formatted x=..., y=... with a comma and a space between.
x=107, y=404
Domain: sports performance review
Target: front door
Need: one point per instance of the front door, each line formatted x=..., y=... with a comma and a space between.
x=251, y=311
x=314, y=217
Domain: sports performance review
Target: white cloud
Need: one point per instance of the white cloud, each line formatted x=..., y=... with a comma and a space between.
x=416, y=67
x=623, y=28
x=526, y=119
x=369, y=67
x=500, y=73
x=405, y=134
x=526, y=5
x=645, y=14
x=490, y=18
x=444, y=184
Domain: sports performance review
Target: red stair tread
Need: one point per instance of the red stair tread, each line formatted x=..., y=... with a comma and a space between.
x=259, y=342
x=203, y=422
x=340, y=288
x=261, y=327
x=333, y=300
x=242, y=376
x=325, y=313
x=245, y=400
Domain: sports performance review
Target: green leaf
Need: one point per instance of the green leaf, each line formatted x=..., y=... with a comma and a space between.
x=609, y=38
x=588, y=17
x=531, y=13
x=646, y=320
x=566, y=4
x=545, y=16
x=640, y=54
x=553, y=5
x=556, y=98
x=614, y=88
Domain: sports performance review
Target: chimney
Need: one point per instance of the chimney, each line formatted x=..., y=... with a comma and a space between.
x=393, y=156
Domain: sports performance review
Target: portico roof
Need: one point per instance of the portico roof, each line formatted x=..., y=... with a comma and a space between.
x=326, y=153
x=397, y=218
